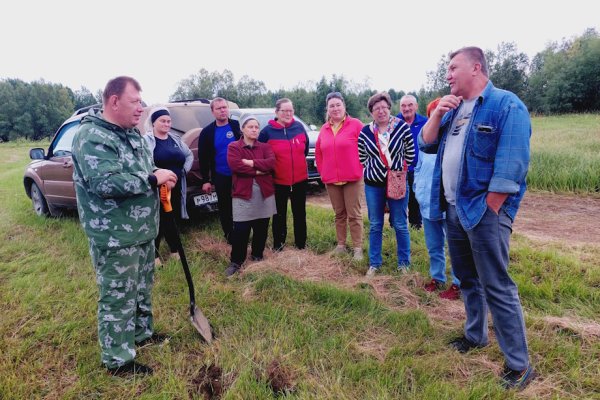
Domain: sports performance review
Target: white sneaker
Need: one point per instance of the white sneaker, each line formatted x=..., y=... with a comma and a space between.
x=339, y=249
x=358, y=254
x=371, y=272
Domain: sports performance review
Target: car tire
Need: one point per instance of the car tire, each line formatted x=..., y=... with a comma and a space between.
x=40, y=206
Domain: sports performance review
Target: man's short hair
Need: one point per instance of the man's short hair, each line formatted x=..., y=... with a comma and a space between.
x=377, y=97
x=409, y=97
x=116, y=86
x=475, y=54
x=217, y=100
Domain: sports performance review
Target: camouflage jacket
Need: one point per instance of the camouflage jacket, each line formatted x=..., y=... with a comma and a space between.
x=118, y=207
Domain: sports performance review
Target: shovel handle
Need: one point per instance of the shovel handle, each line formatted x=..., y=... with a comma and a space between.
x=165, y=198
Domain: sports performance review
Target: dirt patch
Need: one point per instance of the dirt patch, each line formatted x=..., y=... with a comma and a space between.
x=208, y=383
x=568, y=219
x=280, y=378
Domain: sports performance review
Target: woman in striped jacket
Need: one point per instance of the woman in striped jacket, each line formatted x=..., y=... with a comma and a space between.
x=386, y=143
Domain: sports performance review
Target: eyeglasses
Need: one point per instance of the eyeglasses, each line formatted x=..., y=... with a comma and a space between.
x=334, y=95
x=380, y=108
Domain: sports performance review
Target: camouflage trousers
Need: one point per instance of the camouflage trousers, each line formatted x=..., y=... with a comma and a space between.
x=124, y=278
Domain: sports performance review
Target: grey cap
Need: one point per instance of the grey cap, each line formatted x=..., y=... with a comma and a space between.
x=247, y=117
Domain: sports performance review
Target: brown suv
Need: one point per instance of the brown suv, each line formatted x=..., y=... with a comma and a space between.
x=48, y=178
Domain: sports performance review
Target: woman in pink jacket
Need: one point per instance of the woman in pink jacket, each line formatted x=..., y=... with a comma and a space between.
x=336, y=156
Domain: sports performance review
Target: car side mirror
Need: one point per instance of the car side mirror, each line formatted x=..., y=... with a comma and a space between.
x=37, y=153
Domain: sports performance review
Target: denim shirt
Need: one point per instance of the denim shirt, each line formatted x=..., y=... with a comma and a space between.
x=495, y=156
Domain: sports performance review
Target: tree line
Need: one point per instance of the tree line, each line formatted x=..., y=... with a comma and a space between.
x=563, y=78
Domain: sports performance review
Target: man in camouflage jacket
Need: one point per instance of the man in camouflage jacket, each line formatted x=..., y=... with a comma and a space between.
x=116, y=186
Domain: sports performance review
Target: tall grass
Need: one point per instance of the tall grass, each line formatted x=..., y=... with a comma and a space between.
x=565, y=153
x=335, y=341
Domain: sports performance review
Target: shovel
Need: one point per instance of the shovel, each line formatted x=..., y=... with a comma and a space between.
x=199, y=321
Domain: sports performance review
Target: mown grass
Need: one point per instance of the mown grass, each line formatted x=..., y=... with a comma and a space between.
x=565, y=153
x=335, y=342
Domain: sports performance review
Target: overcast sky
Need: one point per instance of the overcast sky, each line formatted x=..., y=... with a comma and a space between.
x=390, y=44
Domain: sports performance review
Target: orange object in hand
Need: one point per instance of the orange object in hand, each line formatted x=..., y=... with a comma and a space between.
x=165, y=198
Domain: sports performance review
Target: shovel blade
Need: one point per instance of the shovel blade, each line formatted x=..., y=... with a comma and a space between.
x=202, y=325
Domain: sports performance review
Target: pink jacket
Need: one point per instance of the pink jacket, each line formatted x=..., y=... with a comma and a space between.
x=337, y=155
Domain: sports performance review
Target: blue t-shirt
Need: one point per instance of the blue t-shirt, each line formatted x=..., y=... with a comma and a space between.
x=169, y=156
x=223, y=136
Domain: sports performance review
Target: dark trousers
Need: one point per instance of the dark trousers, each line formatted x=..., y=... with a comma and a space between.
x=297, y=195
x=167, y=227
x=480, y=258
x=240, y=236
x=223, y=189
x=414, y=212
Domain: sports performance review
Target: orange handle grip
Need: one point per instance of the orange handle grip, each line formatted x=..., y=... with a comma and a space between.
x=165, y=198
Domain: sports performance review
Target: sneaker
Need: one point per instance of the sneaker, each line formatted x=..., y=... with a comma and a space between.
x=519, y=380
x=339, y=249
x=256, y=258
x=131, y=368
x=278, y=248
x=232, y=269
x=371, y=271
x=403, y=269
x=358, y=254
x=464, y=345
x=156, y=338
x=157, y=262
x=452, y=293
x=434, y=285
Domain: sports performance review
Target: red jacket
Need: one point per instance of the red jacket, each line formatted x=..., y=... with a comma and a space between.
x=290, y=145
x=243, y=175
x=336, y=156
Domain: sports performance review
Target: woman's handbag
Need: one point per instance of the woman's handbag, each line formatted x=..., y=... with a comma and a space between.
x=396, y=184
x=396, y=180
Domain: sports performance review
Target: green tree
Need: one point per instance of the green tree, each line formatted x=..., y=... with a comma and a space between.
x=508, y=68
x=84, y=97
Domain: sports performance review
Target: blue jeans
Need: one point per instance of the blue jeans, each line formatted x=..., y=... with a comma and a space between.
x=376, y=200
x=480, y=260
x=435, y=237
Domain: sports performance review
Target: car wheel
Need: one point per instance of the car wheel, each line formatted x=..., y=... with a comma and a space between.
x=40, y=206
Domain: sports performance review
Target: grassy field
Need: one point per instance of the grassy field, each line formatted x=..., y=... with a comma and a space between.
x=565, y=153
x=301, y=321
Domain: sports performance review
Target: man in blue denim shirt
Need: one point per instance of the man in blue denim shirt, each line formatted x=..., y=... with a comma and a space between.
x=481, y=136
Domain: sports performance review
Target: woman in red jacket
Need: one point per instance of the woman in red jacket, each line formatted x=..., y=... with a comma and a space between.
x=253, y=200
x=336, y=156
x=289, y=142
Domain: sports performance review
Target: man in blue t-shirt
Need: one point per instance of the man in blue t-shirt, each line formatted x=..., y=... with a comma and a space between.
x=212, y=159
x=408, y=113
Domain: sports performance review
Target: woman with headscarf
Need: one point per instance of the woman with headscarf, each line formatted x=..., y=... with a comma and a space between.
x=253, y=201
x=170, y=153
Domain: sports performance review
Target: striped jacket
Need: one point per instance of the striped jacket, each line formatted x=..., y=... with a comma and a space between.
x=401, y=148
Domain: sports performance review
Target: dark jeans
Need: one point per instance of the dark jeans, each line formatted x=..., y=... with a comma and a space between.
x=297, y=195
x=414, y=212
x=223, y=189
x=480, y=259
x=241, y=234
x=167, y=227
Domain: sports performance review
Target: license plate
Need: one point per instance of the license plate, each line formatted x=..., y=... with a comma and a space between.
x=202, y=199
